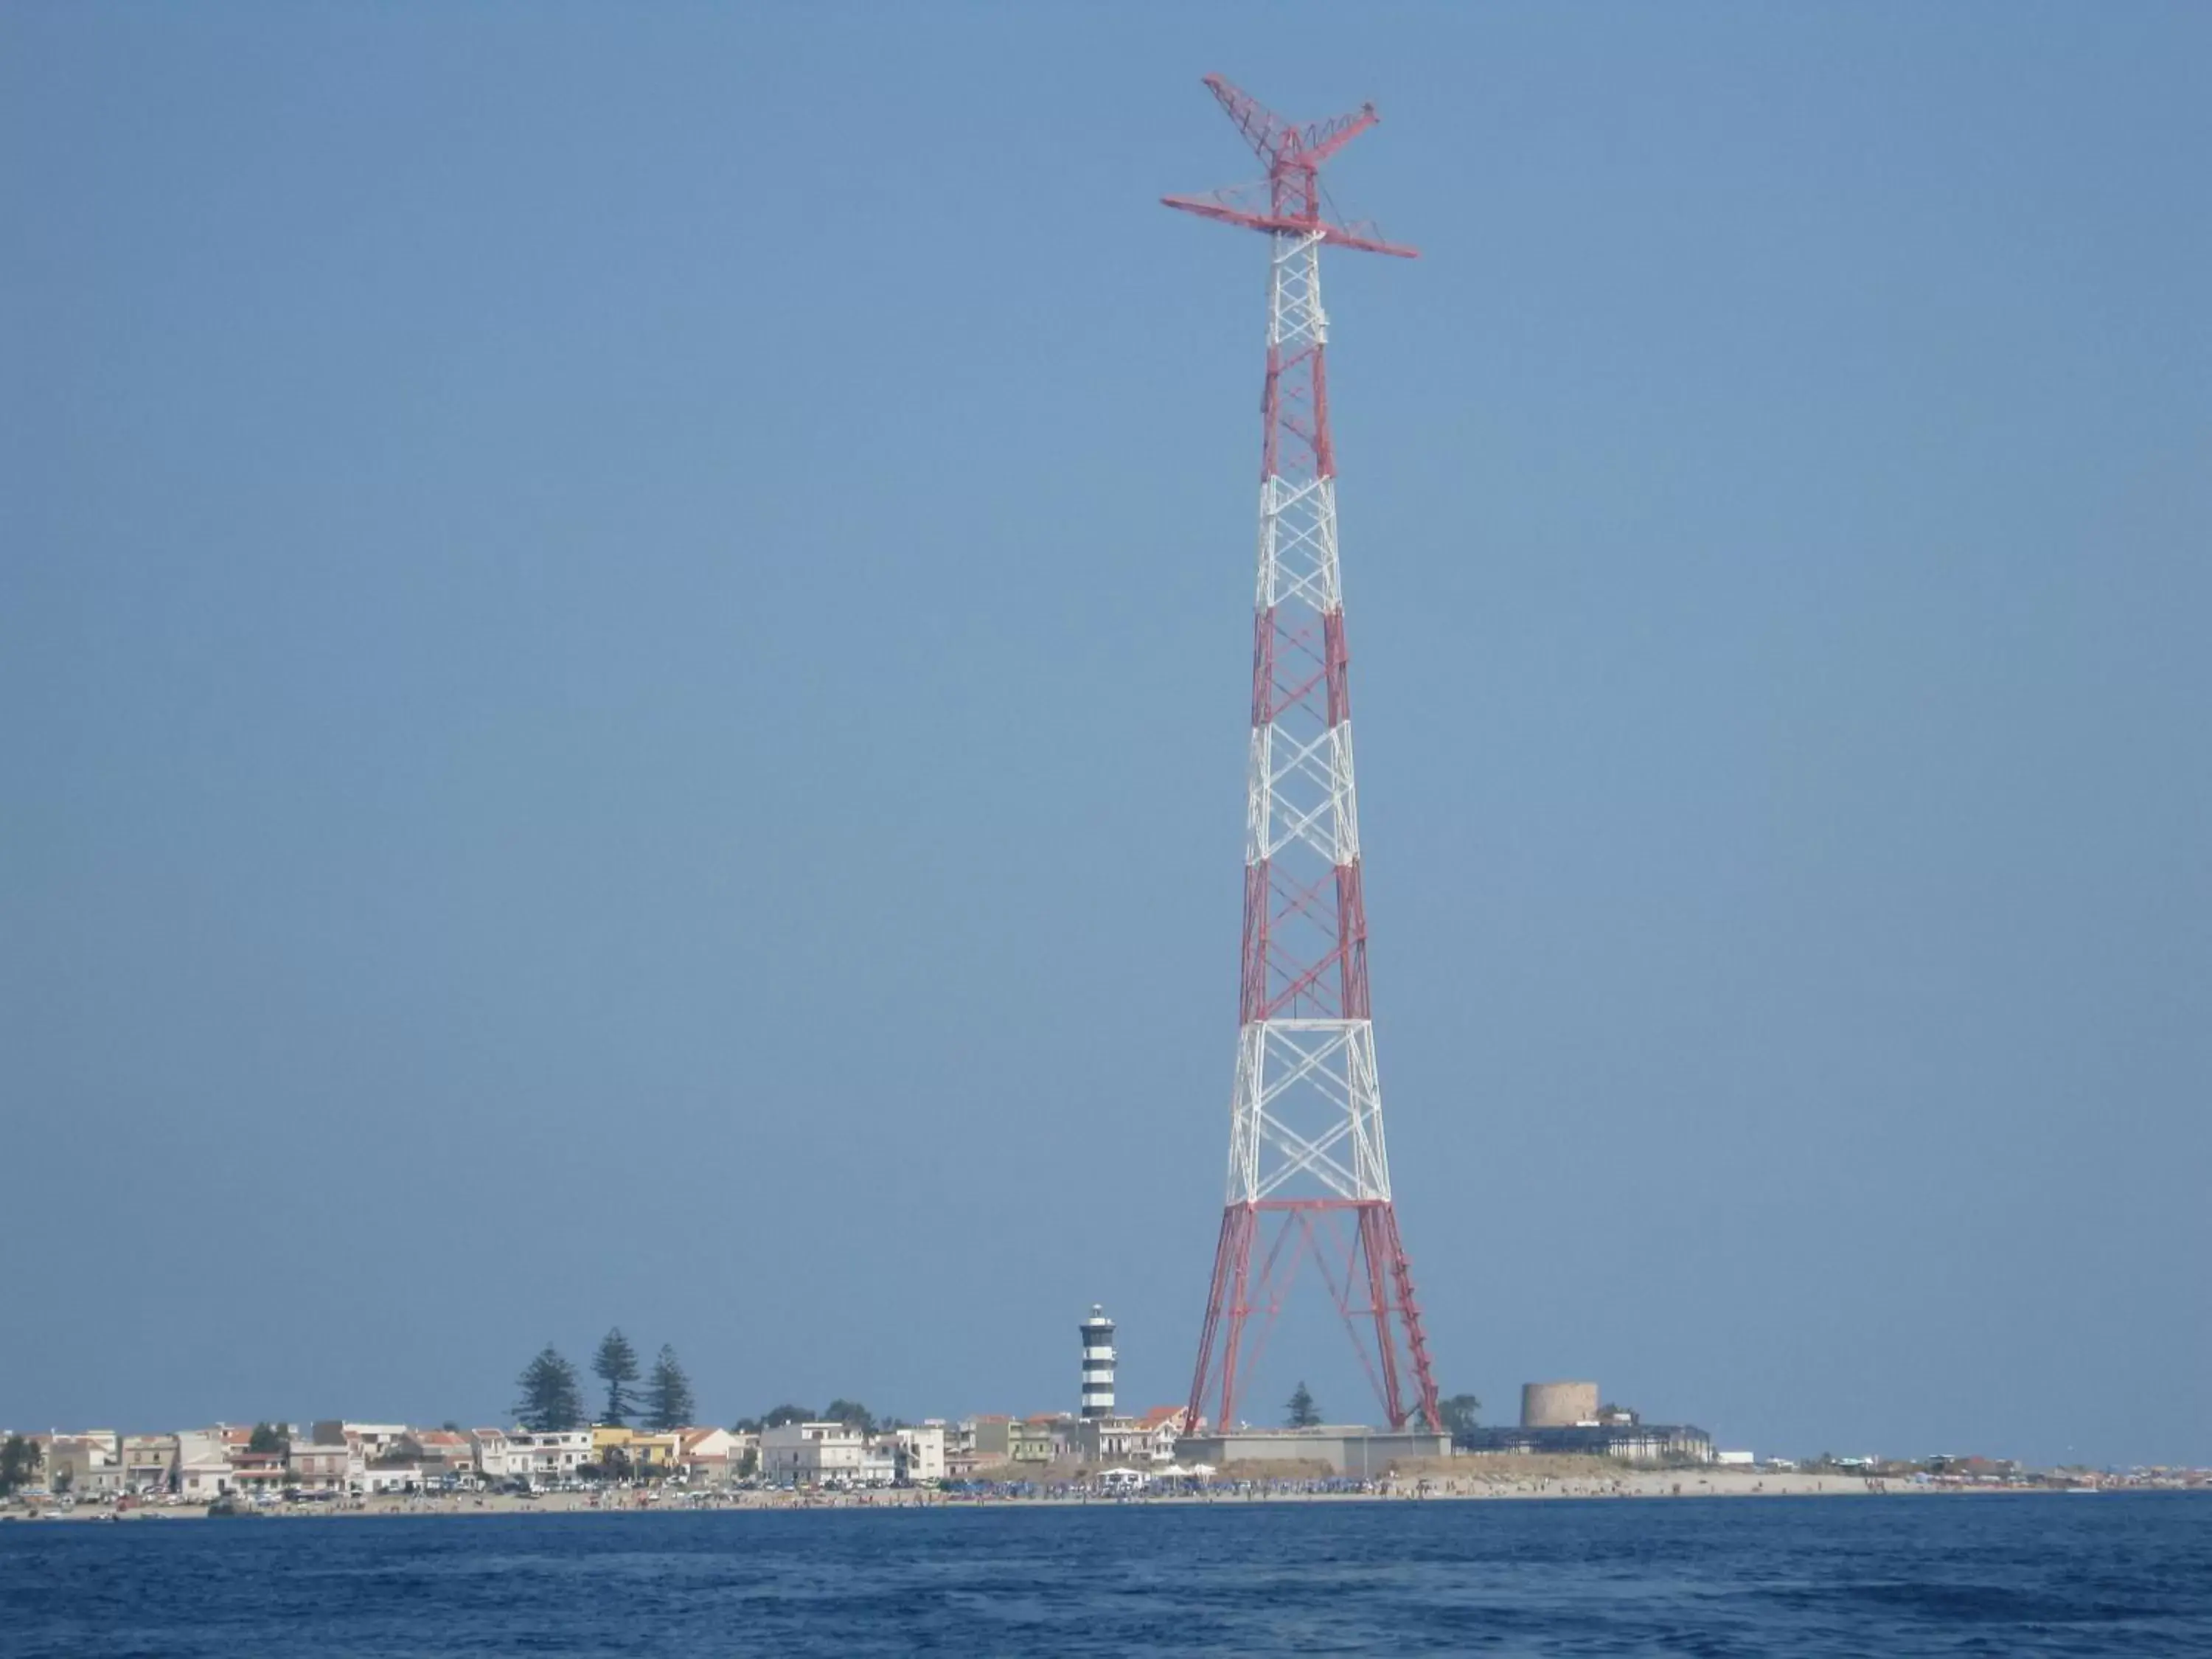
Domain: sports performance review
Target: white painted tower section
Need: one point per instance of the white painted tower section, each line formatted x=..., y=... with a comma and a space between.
x=1097, y=1364
x=1305, y=1115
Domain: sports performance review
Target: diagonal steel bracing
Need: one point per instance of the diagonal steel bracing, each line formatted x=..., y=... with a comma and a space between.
x=1305, y=1134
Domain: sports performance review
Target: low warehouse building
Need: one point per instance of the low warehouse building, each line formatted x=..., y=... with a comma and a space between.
x=1631, y=1443
x=1356, y=1452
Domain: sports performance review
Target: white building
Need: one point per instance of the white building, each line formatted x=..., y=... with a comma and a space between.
x=202, y=1465
x=1166, y=1431
x=370, y=1440
x=917, y=1455
x=491, y=1446
x=555, y=1455
x=814, y=1454
x=715, y=1454
x=1137, y=1440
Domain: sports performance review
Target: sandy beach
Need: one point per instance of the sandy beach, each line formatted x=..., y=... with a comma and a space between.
x=1459, y=1483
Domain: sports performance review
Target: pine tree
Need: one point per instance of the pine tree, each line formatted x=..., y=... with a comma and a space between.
x=615, y=1365
x=1458, y=1413
x=1304, y=1413
x=552, y=1396
x=19, y=1463
x=667, y=1394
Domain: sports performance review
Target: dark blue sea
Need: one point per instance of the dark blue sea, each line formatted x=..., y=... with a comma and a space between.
x=2028, y=1574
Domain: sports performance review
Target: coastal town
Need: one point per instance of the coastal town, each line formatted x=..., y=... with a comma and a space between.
x=641, y=1439
x=340, y=1460
x=640, y=1450
x=362, y=1467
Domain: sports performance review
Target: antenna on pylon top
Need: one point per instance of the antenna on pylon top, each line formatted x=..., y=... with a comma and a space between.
x=1276, y=140
x=1294, y=155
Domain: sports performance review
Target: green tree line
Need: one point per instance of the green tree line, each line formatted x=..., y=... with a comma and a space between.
x=550, y=1391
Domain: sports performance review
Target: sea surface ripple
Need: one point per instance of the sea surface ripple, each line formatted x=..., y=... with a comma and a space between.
x=2029, y=1574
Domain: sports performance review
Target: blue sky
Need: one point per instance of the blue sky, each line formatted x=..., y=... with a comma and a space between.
x=622, y=667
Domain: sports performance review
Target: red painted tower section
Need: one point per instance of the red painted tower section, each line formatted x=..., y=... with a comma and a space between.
x=1308, y=1170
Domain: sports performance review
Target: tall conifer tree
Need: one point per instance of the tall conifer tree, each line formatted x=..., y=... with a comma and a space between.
x=615, y=1363
x=667, y=1394
x=552, y=1396
x=19, y=1463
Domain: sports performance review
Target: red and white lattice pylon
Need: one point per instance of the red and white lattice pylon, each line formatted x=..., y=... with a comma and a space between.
x=1307, y=1167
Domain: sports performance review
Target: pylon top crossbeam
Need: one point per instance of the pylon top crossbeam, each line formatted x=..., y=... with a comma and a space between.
x=1292, y=201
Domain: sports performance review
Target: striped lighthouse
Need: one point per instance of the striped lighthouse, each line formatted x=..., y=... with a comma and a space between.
x=1097, y=1364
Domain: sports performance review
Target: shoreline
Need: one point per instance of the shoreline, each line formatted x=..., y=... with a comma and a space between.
x=1629, y=1487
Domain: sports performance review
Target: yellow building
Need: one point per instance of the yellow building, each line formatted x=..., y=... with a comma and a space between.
x=655, y=1454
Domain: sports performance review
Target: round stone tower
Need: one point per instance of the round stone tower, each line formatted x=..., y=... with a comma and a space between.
x=1557, y=1405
